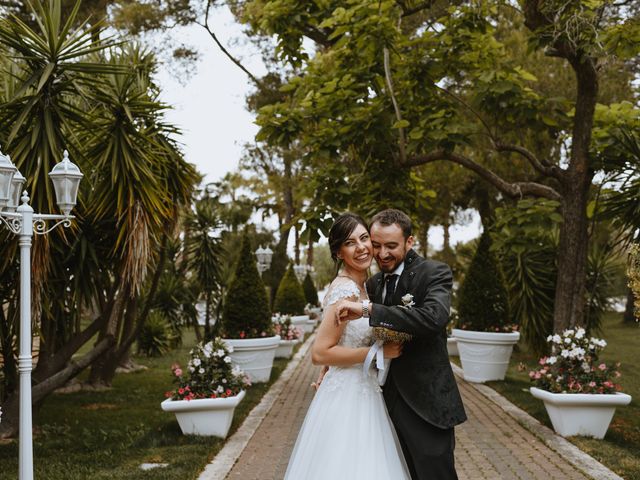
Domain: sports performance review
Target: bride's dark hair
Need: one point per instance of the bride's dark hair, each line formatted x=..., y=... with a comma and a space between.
x=340, y=231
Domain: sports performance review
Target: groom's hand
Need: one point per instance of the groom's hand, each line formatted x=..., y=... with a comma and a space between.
x=347, y=310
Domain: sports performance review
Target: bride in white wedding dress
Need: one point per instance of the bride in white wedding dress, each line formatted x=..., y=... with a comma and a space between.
x=347, y=433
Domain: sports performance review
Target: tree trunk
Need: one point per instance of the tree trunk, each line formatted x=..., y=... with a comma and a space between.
x=629, y=316
x=296, y=246
x=424, y=241
x=310, y=254
x=574, y=238
x=446, y=245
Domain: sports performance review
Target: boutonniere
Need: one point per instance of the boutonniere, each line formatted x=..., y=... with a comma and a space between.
x=407, y=300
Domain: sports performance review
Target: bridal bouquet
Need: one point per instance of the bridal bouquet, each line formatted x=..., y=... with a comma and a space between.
x=209, y=374
x=388, y=335
x=573, y=366
x=384, y=335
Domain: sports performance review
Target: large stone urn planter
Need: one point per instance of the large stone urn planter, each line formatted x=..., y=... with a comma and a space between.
x=204, y=416
x=254, y=356
x=285, y=348
x=303, y=322
x=485, y=355
x=586, y=414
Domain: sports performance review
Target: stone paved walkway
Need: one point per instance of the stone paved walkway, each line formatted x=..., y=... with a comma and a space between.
x=492, y=444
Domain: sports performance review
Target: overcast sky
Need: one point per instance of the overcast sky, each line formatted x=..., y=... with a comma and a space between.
x=210, y=107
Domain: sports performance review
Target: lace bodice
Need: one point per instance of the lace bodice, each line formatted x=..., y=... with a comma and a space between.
x=357, y=333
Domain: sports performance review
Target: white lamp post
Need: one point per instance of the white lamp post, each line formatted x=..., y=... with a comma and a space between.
x=300, y=271
x=22, y=221
x=264, y=256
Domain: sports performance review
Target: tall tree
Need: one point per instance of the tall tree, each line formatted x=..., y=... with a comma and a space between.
x=395, y=85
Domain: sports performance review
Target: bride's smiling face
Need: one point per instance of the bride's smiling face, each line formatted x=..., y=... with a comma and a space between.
x=356, y=251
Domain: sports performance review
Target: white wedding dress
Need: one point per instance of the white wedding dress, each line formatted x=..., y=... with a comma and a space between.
x=347, y=433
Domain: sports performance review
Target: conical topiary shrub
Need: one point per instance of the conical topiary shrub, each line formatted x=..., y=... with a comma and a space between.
x=290, y=296
x=483, y=302
x=310, y=292
x=246, y=312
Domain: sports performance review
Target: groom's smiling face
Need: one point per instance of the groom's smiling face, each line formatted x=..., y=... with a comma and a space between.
x=389, y=246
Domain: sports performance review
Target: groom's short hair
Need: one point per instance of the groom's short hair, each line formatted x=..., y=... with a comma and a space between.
x=392, y=216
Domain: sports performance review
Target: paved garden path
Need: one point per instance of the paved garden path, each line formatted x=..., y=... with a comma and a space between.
x=499, y=441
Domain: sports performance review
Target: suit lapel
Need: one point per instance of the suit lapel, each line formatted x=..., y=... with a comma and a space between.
x=377, y=294
x=405, y=280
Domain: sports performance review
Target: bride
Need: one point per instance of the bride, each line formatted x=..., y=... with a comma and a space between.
x=347, y=433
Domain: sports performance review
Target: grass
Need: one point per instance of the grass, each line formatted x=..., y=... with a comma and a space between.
x=620, y=449
x=107, y=435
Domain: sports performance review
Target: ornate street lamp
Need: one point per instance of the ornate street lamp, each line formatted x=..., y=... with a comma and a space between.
x=22, y=221
x=264, y=257
x=300, y=271
x=7, y=171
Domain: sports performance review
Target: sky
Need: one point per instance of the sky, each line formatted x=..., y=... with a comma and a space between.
x=209, y=107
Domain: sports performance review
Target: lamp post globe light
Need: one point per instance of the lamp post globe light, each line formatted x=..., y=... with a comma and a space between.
x=22, y=221
x=300, y=271
x=264, y=256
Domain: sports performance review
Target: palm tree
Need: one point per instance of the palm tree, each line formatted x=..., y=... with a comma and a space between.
x=69, y=89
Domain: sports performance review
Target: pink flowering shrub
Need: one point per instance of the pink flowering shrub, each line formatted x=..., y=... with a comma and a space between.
x=573, y=366
x=287, y=331
x=209, y=374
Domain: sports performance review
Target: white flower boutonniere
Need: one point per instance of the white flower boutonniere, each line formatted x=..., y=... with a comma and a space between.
x=407, y=300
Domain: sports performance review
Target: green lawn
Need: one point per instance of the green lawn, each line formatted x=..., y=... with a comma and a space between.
x=620, y=449
x=108, y=435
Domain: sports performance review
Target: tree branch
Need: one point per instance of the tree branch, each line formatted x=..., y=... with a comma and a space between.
x=513, y=190
x=542, y=166
x=407, y=11
x=401, y=138
x=212, y=34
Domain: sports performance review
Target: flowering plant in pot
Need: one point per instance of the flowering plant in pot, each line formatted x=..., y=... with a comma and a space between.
x=579, y=391
x=289, y=334
x=207, y=390
x=484, y=333
x=246, y=320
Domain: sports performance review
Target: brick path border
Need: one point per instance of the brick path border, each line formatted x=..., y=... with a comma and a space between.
x=226, y=458
x=566, y=449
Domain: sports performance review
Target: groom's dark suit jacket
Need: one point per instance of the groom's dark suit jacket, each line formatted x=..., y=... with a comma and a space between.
x=422, y=374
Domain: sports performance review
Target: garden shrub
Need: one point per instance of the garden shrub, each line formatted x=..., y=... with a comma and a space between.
x=310, y=292
x=483, y=301
x=156, y=336
x=246, y=310
x=290, y=296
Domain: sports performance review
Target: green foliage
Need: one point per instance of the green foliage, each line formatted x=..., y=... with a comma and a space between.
x=156, y=337
x=525, y=240
x=290, y=299
x=310, y=292
x=246, y=311
x=483, y=302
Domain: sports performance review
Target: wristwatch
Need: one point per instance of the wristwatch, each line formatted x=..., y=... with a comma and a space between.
x=365, y=309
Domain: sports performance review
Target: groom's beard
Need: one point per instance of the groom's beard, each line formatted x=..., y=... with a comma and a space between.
x=390, y=267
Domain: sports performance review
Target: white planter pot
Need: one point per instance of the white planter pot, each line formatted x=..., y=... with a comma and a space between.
x=302, y=322
x=254, y=356
x=205, y=416
x=484, y=355
x=452, y=347
x=586, y=414
x=285, y=348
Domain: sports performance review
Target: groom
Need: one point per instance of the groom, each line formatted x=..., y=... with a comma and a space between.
x=420, y=391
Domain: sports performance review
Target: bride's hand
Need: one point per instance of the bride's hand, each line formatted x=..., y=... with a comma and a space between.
x=347, y=310
x=392, y=350
x=323, y=372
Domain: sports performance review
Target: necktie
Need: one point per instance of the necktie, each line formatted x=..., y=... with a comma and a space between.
x=391, y=288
